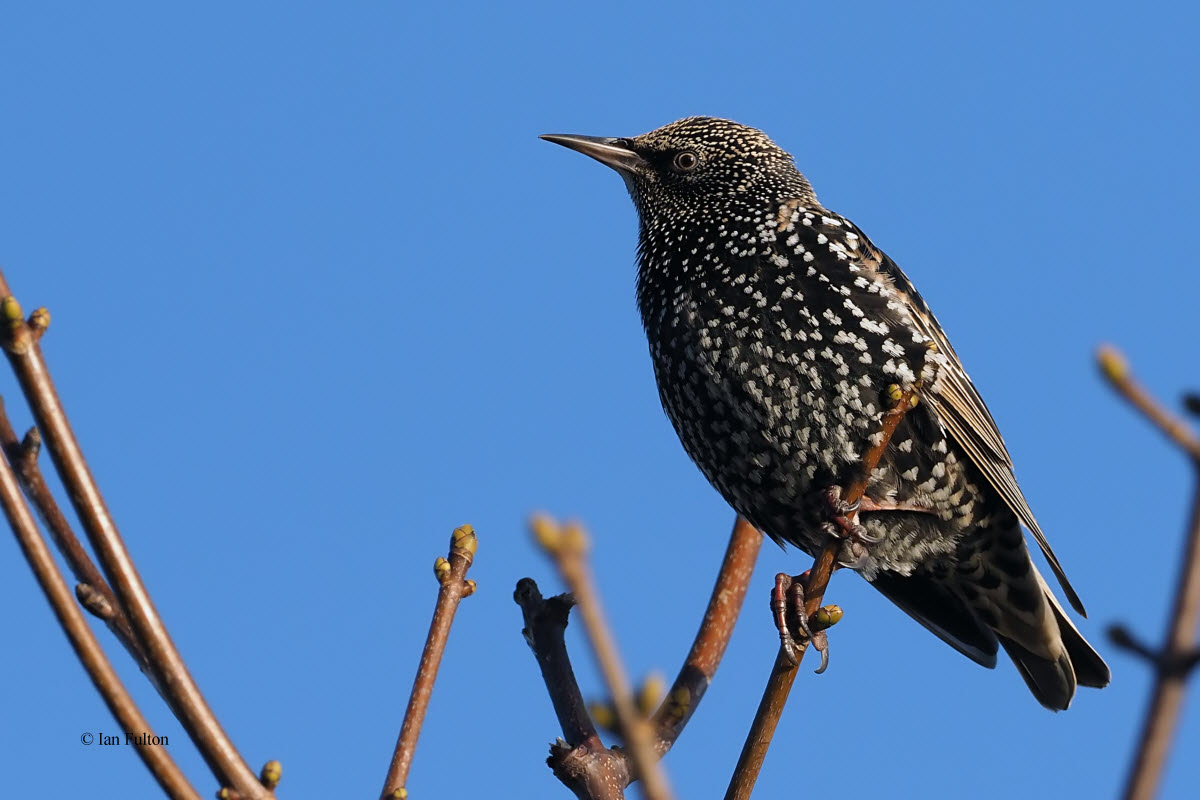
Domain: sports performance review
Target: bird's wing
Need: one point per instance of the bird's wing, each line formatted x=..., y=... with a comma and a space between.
x=965, y=415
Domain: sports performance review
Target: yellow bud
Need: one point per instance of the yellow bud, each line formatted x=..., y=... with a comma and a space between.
x=574, y=538
x=441, y=569
x=11, y=309
x=271, y=772
x=545, y=531
x=1113, y=365
x=463, y=538
x=826, y=617
x=651, y=692
x=465, y=541
x=604, y=715
x=468, y=588
x=39, y=320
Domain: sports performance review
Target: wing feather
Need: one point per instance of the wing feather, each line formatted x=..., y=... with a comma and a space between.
x=966, y=417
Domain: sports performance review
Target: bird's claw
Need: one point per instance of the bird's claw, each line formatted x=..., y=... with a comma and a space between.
x=820, y=643
x=839, y=507
x=792, y=621
x=859, y=533
x=844, y=524
x=860, y=555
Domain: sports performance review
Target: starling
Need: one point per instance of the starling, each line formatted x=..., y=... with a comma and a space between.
x=776, y=329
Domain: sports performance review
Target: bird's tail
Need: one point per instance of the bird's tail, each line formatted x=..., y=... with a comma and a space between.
x=1010, y=596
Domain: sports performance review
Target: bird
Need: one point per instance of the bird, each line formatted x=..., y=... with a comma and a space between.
x=776, y=330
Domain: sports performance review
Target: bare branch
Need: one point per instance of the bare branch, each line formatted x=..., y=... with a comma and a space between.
x=1172, y=666
x=1124, y=639
x=167, y=668
x=716, y=628
x=783, y=671
x=1175, y=660
x=93, y=591
x=1115, y=369
x=83, y=641
x=544, y=631
x=779, y=685
x=567, y=545
x=579, y=760
x=451, y=574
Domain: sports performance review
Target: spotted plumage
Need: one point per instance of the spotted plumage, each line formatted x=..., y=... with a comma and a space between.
x=776, y=329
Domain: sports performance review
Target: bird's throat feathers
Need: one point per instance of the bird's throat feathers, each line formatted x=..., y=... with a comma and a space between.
x=688, y=247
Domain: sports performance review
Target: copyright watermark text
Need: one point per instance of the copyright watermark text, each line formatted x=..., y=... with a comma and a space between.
x=126, y=738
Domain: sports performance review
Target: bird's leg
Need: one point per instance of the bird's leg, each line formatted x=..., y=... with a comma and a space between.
x=780, y=595
x=843, y=524
x=844, y=516
x=787, y=607
x=868, y=505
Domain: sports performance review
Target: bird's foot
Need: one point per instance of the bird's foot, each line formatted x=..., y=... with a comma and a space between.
x=796, y=631
x=787, y=608
x=843, y=524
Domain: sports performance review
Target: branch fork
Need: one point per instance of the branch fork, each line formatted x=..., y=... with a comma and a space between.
x=1176, y=659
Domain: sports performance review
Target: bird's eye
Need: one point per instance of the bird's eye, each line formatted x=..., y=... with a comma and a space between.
x=685, y=161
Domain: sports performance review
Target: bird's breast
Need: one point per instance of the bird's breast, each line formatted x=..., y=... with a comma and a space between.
x=773, y=353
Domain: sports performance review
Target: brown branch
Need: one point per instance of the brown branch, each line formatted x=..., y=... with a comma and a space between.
x=451, y=574
x=1172, y=666
x=779, y=684
x=1175, y=660
x=1115, y=369
x=83, y=641
x=567, y=545
x=716, y=629
x=168, y=671
x=93, y=591
x=783, y=671
x=579, y=759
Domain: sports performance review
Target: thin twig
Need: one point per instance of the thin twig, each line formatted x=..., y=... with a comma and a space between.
x=1175, y=660
x=1171, y=671
x=716, y=629
x=83, y=641
x=1115, y=369
x=451, y=573
x=779, y=685
x=168, y=670
x=783, y=671
x=568, y=546
x=23, y=456
x=579, y=759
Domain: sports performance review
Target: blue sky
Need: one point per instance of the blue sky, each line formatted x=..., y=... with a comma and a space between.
x=320, y=295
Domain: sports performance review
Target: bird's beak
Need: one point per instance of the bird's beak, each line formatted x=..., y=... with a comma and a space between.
x=606, y=151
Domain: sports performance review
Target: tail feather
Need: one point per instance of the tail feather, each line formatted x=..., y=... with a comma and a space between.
x=1051, y=681
x=993, y=596
x=1048, y=651
x=942, y=612
x=1090, y=669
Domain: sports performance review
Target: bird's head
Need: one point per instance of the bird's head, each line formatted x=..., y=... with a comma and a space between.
x=695, y=165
